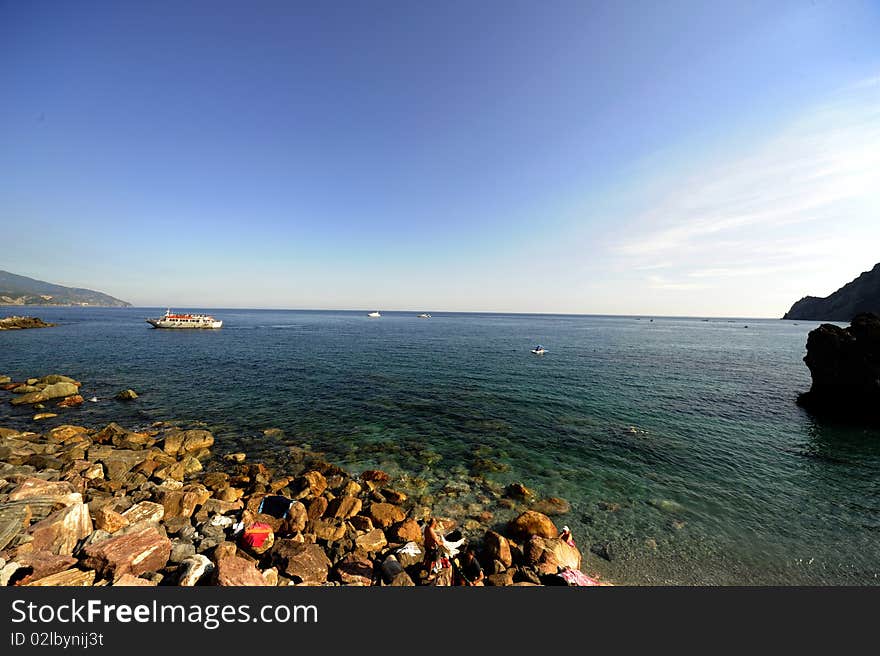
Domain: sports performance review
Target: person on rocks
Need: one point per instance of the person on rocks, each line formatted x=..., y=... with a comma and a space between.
x=433, y=542
x=565, y=536
x=470, y=573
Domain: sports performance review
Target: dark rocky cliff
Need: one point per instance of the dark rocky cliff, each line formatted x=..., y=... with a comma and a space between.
x=860, y=295
x=845, y=366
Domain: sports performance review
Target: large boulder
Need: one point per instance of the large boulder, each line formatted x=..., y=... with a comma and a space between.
x=532, y=523
x=552, y=551
x=496, y=547
x=845, y=367
x=385, y=514
x=304, y=563
x=60, y=531
x=138, y=552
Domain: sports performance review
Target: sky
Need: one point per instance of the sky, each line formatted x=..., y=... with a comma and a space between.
x=676, y=158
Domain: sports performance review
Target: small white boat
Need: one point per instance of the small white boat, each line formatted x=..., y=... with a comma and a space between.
x=374, y=315
x=424, y=315
x=539, y=350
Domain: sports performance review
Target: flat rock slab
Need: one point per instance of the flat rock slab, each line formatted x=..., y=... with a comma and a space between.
x=235, y=571
x=67, y=578
x=136, y=553
x=60, y=492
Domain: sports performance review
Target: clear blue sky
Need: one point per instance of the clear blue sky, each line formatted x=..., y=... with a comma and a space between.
x=589, y=157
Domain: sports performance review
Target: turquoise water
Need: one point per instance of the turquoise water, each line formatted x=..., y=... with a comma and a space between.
x=676, y=441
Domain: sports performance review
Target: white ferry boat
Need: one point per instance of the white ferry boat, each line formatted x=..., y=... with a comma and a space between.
x=171, y=320
x=425, y=315
x=374, y=315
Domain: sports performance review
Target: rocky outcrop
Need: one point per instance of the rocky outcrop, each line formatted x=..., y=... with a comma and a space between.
x=859, y=296
x=845, y=367
x=20, y=323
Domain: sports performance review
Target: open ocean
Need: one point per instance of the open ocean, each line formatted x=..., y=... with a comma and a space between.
x=677, y=441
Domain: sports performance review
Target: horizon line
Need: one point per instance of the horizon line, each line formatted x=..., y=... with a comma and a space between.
x=500, y=312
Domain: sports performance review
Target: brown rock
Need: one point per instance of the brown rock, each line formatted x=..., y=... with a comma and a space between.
x=66, y=431
x=503, y=579
x=106, y=434
x=518, y=491
x=215, y=480
x=61, y=530
x=41, y=564
x=107, y=519
x=554, y=551
x=373, y=541
x=297, y=518
x=67, y=578
x=137, y=553
x=145, y=511
x=532, y=523
x=183, y=502
x=344, y=507
x=59, y=492
x=385, y=514
x=129, y=580
x=354, y=570
x=392, y=496
x=195, y=440
x=121, y=461
x=316, y=482
x=305, y=563
x=230, y=494
x=223, y=550
x=317, y=508
x=328, y=529
x=172, y=442
x=406, y=531
x=496, y=547
x=361, y=523
x=235, y=571
x=71, y=401
x=375, y=476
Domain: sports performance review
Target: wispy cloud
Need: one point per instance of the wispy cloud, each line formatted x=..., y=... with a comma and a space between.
x=808, y=188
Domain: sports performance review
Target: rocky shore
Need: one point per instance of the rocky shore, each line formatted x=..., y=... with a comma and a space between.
x=20, y=323
x=82, y=506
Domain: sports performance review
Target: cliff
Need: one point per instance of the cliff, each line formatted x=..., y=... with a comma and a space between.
x=845, y=366
x=20, y=290
x=860, y=295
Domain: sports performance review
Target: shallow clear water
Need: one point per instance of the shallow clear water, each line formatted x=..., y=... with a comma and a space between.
x=689, y=425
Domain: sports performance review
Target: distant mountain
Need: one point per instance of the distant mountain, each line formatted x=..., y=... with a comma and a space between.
x=20, y=290
x=860, y=295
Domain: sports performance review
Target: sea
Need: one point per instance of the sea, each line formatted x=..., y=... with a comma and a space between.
x=676, y=442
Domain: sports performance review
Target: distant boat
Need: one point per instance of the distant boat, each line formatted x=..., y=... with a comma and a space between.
x=424, y=315
x=539, y=350
x=374, y=315
x=171, y=320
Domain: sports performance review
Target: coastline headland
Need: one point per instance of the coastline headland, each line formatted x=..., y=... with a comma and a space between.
x=83, y=506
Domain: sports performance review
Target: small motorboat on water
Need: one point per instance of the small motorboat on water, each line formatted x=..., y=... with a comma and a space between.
x=374, y=315
x=424, y=315
x=539, y=350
